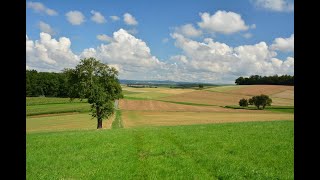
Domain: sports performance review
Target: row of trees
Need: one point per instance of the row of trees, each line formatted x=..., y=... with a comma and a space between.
x=259, y=101
x=271, y=80
x=48, y=84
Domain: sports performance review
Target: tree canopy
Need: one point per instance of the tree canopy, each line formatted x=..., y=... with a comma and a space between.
x=271, y=80
x=99, y=83
x=262, y=100
x=48, y=84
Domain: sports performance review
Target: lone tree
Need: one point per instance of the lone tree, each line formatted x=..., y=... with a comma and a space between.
x=262, y=100
x=243, y=102
x=99, y=83
x=200, y=86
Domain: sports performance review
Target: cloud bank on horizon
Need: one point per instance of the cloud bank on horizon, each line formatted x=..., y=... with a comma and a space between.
x=217, y=47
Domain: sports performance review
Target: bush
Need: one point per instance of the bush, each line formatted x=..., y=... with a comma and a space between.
x=243, y=102
x=262, y=100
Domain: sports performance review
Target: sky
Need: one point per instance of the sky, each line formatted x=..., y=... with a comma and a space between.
x=209, y=41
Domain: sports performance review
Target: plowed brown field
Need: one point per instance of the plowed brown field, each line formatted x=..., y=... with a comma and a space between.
x=151, y=105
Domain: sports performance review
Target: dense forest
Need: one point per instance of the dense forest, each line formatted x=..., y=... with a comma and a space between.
x=47, y=84
x=271, y=80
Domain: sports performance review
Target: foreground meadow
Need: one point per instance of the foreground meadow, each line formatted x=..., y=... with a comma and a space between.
x=247, y=150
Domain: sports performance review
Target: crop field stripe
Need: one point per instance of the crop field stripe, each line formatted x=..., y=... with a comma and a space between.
x=187, y=103
x=117, y=123
x=30, y=101
x=57, y=108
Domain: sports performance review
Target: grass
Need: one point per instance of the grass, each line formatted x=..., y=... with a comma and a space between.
x=220, y=151
x=62, y=122
x=59, y=123
x=57, y=108
x=117, y=123
x=147, y=95
x=134, y=98
x=282, y=109
x=51, y=100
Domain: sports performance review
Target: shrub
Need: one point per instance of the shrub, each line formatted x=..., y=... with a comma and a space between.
x=243, y=102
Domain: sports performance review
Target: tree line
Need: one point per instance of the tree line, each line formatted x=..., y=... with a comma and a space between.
x=47, y=84
x=270, y=80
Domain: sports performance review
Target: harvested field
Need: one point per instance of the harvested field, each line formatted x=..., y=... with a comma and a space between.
x=160, y=90
x=288, y=94
x=282, y=102
x=52, y=122
x=206, y=97
x=225, y=88
x=151, y=105
x=150, y=118
x=253, y=90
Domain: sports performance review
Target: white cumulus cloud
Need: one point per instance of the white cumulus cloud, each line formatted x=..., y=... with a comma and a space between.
x=284, y=44
x=44, y=27
x=200, y=61
x=114, y=18
x=226, y=63
x=222, y=22
x=98, y=17
x=103, y=37
x=275, y=5
x=129, y=19
x=40, y=8
x=75, y=17
x=130, y=55
x=188, y=30
x=48, y=54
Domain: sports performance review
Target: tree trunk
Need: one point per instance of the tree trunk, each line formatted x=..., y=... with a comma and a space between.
x=99, y=126
x=99, y=123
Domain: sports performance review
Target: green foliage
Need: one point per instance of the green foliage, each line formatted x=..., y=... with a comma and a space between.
x=98, y=82
x=200, y=86
x=262, y=100
x=244, y=150
x=250, y=101
x=47, y=84
x=243, y=102
x=275, y=80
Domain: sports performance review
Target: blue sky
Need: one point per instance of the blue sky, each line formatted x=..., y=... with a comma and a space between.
x=157, y=44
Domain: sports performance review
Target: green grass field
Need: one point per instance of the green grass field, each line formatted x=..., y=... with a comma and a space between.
x=63, y=143
x=51, y=100
x=248, y=150
x=48, y=105
x=57, y=108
